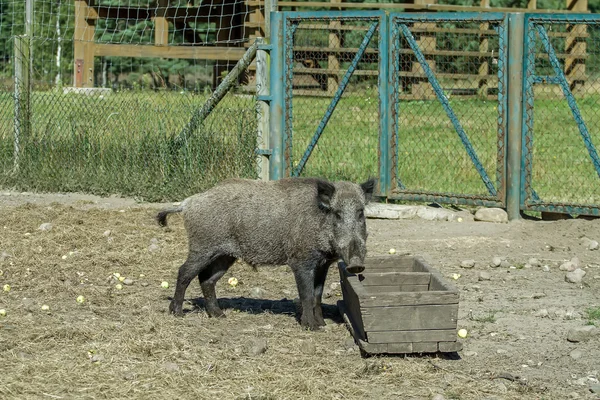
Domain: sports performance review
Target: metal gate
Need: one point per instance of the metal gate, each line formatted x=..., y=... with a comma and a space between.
x=456, y=153
x=561, y=119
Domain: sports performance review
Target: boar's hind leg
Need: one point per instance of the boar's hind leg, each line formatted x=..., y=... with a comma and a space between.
x=208, y=279
x=188, y=271
x=320, y=277
x=304, y=272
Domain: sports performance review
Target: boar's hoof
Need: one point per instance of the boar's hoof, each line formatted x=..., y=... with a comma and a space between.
x=215, y=313
x=176, y=309
x=311, y=325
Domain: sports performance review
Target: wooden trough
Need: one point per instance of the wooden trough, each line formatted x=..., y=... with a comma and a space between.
x=400, y=305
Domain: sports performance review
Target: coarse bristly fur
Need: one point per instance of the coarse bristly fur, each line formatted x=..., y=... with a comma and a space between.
x=306, y=223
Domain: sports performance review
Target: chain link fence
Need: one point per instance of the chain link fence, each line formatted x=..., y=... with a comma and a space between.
x=113, y=85
x=332, y=98
x=562, y=114
x=450, y=107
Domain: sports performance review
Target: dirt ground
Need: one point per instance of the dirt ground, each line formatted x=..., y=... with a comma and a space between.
x=123, y=343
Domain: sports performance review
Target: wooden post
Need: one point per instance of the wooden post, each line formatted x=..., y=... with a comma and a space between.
x=224, y=32
x=576, y=46
x=532, y=4
x=161, y=25
x=333, y=63
x=422, y=89
x=22, y=117
x=84, y=44
x=262, y=90
x=484, y=68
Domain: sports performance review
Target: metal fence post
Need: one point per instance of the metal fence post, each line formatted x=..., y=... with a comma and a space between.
x=516, y=25
x=386, y=97
x=263, y=100
x=276, y=108
x=22, y=120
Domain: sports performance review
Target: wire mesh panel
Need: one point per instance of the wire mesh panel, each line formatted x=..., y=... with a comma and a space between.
x=332, y=100
x=448, y=78
x=113, y=85
x=562, y=114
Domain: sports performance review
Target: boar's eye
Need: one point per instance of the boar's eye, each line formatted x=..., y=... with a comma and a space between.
x=360, y=214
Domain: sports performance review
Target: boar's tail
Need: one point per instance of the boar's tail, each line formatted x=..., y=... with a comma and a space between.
x=161, y=217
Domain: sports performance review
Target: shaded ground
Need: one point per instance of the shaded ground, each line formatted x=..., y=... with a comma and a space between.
x=123, y=344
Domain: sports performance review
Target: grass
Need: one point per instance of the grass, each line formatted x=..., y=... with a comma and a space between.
x=124, y=143
x=593, y=315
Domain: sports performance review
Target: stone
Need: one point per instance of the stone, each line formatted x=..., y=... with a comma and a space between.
x=391, y=211
x=45, y=226
x=496, y=262
x=153, y=248
x=534, y=262
x=435, y=214
x=538, y=295
x=106, y=233
x=595, y=388
x=128, y=281
x=582, y=333
x=491, y=215
x=467, y=264
x=470, y=353
x=257, y=293
x=504, y=264
x=593, y=245
x=543, y=313
x=546, y=268
x=349, y=344
x=576, y=354
x=438, y=397
x=575, y=276
x=567, y=266
x=575, y=261
x=484, y=276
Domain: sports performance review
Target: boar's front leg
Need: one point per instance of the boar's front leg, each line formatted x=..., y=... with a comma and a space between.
x=208, y=278
x=304, y=272
x=320, y=277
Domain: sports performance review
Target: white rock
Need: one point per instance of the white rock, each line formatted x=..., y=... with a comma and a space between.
x=543, y=313
x=575, y=276
x=491, y=215
x=575, y=261
x=534, y=262
x=153, y=247
x=106, y=233
x=496, y=262
x=468, y=264
x=46, y=226
x=546, y=268
x=391, y=211
x=484, y=276
x=435, y=214
x=257, y=292
x=582, y=333
x=593, y=245
x=567, y=266
x=576, y=354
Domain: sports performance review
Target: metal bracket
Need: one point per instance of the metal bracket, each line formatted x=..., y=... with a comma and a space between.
x=264, y=152
x=265, y=47
x=265, y=98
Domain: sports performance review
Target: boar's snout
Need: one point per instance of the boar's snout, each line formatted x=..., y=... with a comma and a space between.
x=355, y=257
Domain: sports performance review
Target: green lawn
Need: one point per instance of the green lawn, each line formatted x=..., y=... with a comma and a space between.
x=125, y=143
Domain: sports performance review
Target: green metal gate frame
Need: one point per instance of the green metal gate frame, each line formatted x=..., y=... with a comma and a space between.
x=534, y=28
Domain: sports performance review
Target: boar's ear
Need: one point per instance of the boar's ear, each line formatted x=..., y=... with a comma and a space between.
x=368, y=188
x=325, y=192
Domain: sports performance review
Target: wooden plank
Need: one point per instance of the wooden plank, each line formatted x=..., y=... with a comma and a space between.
x=191, y=52
x=432, y=335
x=332, y=72
x=399, y=348
x=425, y=347
x=410, y=317
x=161, y=25
x=395, y=278
x=398, y=289
x=352, y=305
x=399, y=263
x=406, y=6
x=449, y=347
x=407, y=299
x=83, y=43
